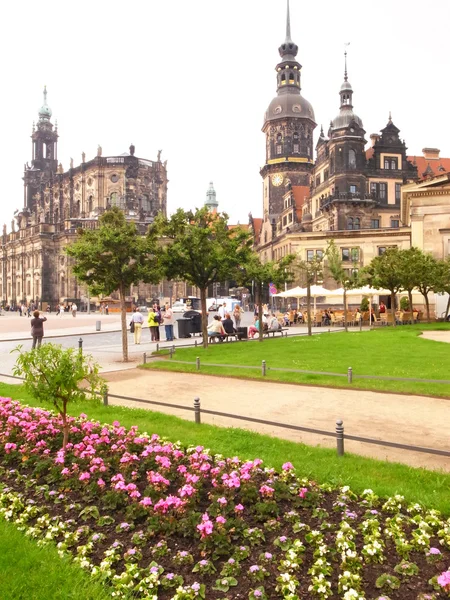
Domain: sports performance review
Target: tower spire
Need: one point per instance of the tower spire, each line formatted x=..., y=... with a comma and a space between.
x=288, y=24
x=345, y=61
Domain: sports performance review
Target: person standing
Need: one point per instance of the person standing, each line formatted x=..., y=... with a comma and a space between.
x=222, y=311
x=61, y=310
x=153, y=325
x=237, y=314
x=107, y=309
x=74, y=309
x=138, y=320
x=168, y=322
x=37, y=329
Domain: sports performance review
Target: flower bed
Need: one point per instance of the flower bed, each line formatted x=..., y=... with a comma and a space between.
x=158, y=521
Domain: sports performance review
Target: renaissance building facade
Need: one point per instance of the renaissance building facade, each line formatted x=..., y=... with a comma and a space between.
x=33, y=265
x=360, y=193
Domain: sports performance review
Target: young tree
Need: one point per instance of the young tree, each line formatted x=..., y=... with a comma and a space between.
x=61, y=377
x=200, y=248
x=428, y=278
x=261, y=274
x=335, y=265
x=409, y=266
x=384, y=272
x=443, y=281
x=112, y=258
x=310, y=271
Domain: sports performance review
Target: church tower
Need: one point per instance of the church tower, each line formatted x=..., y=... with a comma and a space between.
x=288, y=127
x=44, y=159
x=211, y=200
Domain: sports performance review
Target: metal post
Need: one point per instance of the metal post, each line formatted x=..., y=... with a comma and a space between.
x=263, y=368
x=157, y=347
x=197, y=410
x=360, y=322
x=198, y=363
x=105, y=398
x=171, y=351
x=350, y=375
x=196, y=343
x=173, y=348
x=80, y=345
x=340, y=437
x=144, y=358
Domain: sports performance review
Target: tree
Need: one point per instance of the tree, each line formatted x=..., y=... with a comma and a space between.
x=428, y=278
x=200, y=248
x=335, y=265
x=310, y=271
x=410, y=261
x=385, y=272
x=261, y=274
x=53, y=374
x=112, y=258
x=443, y=281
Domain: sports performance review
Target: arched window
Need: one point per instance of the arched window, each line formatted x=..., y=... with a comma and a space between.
x=291, y=77
x=146, y=204
x=283, y=79
x=350, y=223
x=352, y=159
x=356, y=223
x=114, y=199
x=90, y=204
x=279, y=144
x=295, y=145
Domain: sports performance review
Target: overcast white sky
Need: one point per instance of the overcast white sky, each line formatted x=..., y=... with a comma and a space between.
x=195, y=78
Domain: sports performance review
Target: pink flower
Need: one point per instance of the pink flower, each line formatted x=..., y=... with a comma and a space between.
x=223, y=501
x=303, y=491
x=146, y=501
x=206, y=526
x=238, y=508
x=266, y=490
x=444, y=580
x=287, y=466
x=84, y=476
x=100, y=483
x=221, y=520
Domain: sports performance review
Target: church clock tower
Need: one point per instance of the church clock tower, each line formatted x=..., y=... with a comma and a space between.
x=288, y=127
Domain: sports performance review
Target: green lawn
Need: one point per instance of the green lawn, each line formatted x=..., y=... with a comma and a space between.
x=387, y=351
x=30, y=572
x=320, y=464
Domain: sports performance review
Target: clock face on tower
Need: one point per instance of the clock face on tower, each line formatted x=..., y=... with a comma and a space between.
x=277, y=179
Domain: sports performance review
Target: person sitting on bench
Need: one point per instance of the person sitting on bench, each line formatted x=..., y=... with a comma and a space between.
x=215, y=329
x=273, y=324
x=228, y=324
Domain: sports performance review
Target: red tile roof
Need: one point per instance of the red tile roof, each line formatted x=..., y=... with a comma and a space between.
x=301, y=192
x=437, y=166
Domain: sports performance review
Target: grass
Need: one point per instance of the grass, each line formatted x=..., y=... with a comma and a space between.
x=430, y=488
x=387, y=351
x=30, y=572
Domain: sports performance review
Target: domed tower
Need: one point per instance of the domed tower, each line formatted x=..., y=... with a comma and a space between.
x=288, y=126
x=211, y=201
x=44, y=160
x=346, y=150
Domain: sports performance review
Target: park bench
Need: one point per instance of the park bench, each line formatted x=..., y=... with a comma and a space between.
x=282, y=331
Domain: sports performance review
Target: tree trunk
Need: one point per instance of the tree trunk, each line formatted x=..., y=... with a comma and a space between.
x=123, y=318
x=203, y=292
x=427, y=304
x=65, y=426
x=448, y=307
x=308, y=306
x=392, y=308
x=260, y=311
x=345, y=310
x=411, y=307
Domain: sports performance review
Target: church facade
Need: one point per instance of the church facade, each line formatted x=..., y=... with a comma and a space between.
x=348, y=192
x=33, y=265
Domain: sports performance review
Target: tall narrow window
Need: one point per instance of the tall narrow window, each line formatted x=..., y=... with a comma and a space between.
x=356, y=223
x=398, y=192
x=349, y=223
x=352, y=159
x=383, y=191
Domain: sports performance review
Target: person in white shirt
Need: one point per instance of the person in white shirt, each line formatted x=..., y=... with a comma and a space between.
x=74, y=309
x=137, y=319
x=222, y=310
x=169, y=320
x=215, y=329
x=61, y=310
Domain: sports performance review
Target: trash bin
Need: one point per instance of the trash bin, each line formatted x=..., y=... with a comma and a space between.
x=242, y=333
x=196, y=320
x=184, y=328
x=98, y=325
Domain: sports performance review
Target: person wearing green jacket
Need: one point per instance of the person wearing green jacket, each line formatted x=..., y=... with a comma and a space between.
x=153, y=325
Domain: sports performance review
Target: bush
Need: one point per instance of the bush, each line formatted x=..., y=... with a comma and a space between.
x=404, y=303
x=364, y=304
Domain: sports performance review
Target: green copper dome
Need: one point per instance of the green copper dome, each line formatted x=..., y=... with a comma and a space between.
x=45, y=112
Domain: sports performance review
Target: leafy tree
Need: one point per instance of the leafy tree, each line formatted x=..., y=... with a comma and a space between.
x=428, y=278
x=385, y=272
x=112, y=258
x=200, y=248
x=409, y=266
x=59, y=376
x=309, y=271
x=337, y=271
x=261, y=274
x=443, y=281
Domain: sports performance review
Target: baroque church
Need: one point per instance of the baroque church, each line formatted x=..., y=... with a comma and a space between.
x=33, y=266
x=349, y=192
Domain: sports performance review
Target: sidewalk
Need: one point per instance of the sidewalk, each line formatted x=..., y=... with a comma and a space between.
x=413, y=420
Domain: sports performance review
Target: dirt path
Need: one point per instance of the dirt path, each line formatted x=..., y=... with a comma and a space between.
x=415, y=420
x=437, y=336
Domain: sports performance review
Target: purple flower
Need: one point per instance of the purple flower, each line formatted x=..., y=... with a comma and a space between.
x=254, y=569
x=257, y=593
x=195, y=586
x=434, y=551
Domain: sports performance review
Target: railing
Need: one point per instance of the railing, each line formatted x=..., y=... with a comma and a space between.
x=338, y=434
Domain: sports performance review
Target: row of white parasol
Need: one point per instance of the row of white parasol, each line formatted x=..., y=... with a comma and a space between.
x=318, y=290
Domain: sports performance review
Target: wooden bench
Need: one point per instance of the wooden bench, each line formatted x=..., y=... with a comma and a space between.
x=212, y=339
x=282, y=331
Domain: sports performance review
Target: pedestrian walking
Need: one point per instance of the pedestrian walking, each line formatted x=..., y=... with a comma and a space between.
x=237, y=314
x=107, y=309
x=136, y=323
x=153, y=325
x=169, y=320
x=74, y=309
x=61, y=310
x=222, y=310
x=37, y=329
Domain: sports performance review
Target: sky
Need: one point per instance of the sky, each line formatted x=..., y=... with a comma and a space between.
x=195, y=78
